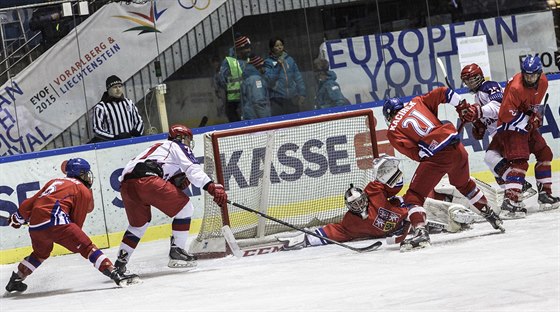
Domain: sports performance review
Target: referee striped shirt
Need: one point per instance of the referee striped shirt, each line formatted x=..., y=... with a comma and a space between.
x=115, y=116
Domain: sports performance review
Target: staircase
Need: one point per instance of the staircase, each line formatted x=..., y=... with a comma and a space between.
x=18, y=43
x=183, y=50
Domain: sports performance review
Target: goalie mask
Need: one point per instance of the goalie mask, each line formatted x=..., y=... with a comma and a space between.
x=356, y=201
x=386, y=170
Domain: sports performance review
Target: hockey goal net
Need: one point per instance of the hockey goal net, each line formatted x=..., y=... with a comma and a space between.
x=296, y=171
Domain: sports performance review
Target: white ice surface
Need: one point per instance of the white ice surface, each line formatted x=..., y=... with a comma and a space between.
x=477, y=270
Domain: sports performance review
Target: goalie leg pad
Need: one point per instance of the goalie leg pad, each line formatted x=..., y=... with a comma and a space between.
x=295, y=242
x=461, y=214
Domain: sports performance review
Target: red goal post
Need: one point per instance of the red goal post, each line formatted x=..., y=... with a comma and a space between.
x=295, y=171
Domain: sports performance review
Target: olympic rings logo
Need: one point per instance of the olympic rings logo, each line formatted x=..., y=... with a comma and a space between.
x=193, y=4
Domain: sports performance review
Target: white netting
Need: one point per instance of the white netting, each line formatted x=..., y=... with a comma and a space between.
x=309, y=164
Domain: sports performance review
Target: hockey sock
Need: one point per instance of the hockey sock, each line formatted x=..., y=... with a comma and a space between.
x=99, y=260
x=28, y=265
x=131, y=239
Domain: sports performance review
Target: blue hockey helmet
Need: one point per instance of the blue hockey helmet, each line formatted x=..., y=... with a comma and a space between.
x=391, y=107
x=531, y=65
x=531, y=69
x=80, y=169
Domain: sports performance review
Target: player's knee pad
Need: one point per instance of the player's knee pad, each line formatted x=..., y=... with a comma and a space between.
x=520, y=165
x=495, y=162
x=186, y=212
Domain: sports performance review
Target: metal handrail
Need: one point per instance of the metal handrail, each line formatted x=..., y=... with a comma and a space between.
x=17, y=50
x=15, y=63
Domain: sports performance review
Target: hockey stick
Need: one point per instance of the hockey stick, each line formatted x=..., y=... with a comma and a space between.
x=371, y=247
x=203, y=122
x=442, y=68
x=230, y=240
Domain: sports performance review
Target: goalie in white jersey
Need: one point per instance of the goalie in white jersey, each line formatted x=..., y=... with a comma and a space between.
x=484, y=117
x=157, y=177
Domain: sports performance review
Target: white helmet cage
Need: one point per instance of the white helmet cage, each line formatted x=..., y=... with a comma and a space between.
x=386, y=170
x=356, y=200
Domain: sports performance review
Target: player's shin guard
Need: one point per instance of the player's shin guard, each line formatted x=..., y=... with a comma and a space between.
x=129, y=242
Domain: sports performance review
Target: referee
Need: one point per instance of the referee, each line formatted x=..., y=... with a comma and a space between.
x=115, y=117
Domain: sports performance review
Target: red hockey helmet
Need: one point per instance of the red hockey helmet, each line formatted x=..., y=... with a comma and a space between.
x=181, y=133
x=472, y=76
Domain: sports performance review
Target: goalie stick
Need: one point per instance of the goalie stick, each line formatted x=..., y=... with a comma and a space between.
x=371, y=247
x=442, y=68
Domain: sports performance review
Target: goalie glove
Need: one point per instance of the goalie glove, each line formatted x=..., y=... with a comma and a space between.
x=16, y=220
x=478, y=130
x=217, y=191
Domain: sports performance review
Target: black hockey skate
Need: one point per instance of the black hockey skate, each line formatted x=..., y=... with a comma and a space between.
x=513, y=209
x=421, y=239
x=121, y=262
x=527, y=191
x=492, y=218
x=547, y=201
x=179, y=258
x=16, y=284
x=122, y=279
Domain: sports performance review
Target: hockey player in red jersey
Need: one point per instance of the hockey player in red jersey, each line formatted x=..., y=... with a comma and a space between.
x=484, y=117
x=56, y=214
x=157, y=177
x=518, y=135
x=374, y=212
x=415, y=131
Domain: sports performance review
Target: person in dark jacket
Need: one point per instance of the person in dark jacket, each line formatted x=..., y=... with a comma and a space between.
x=329, y=93
x=254, y=90
x=287, y=89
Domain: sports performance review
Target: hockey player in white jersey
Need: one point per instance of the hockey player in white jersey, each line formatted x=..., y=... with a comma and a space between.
x=157, y=177
x=484, y=117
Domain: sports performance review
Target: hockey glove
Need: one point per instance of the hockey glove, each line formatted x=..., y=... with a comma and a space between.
x=478, y=130
x=534, y=122
x=180, y=180
x=16, y=220
x=462, y=109
x=218, y=192
x=473, y=113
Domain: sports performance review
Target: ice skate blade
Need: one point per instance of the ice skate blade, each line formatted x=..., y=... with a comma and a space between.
x=509, y=215
x=174, y=264
x=130, y=281
x=546, y=207
x=409, y=247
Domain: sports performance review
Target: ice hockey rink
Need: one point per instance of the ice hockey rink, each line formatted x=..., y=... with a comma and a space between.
x=476, y=270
